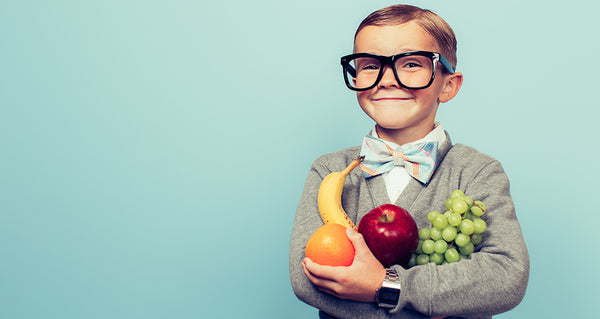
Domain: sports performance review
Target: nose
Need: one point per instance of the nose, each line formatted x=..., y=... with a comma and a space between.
x=388, y=79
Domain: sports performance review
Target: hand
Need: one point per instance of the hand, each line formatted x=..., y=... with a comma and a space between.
x=358, y=282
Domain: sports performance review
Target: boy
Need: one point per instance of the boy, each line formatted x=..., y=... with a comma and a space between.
x=402, y=68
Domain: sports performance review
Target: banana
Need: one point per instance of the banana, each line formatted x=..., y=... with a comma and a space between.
x=329, y=198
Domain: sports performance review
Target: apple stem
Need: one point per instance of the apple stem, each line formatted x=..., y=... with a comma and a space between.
x=385, y=218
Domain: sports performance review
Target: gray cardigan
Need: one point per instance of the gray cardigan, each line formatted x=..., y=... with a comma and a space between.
x=494, y=278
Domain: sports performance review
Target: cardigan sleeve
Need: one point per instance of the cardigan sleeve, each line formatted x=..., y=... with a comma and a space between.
x=494, y=278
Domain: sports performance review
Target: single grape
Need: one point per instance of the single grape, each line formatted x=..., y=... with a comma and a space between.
x=476, y=239
x=476, y=211
x=459, y=205
x=412, y=261
x=424, y=233
x=479, y=226
x=467, y=249
x=454, y=219
x=436, y=258
x=448, y=203
x=449, y=233
x=440, y=246
x=432, y=215
x=463, y=257
x=469, y=200
x=419, y=249
x=462, y=240
x=457, y=193
x=440, y=221
x=422, y=259
x=428, y=246
x=467, y=227
x=436, y=234
x=478, y=208
x=451, y=255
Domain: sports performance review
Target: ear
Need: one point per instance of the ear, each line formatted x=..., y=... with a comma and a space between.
x=451, y=86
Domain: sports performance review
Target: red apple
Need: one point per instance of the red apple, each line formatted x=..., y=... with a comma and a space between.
x=391, y=234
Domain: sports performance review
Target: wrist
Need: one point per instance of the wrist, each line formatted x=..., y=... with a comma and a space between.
x=379, y=283
x=388, y=295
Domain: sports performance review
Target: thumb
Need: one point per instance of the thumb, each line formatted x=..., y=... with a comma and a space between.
x=362, y=253
x=357, y=239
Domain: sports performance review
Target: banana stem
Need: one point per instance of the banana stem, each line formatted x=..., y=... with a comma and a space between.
x=353, y=165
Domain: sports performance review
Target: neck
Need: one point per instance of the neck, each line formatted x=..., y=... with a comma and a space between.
x=403, y=136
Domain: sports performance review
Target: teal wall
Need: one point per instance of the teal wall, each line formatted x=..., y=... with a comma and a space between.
x=154, y=152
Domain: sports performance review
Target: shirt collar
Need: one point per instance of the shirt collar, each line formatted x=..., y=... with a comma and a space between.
x=436, y=135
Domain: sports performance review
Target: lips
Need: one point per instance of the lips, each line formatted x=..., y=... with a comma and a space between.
x=390, y=98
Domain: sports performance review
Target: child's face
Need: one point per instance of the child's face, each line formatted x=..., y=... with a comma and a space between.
x=402, y=115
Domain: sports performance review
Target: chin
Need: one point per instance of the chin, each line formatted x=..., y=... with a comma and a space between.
x=390, y=118
x=391, y=126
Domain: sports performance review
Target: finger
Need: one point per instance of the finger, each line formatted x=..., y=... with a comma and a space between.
x=312, y=272
x=307, y=271
x=323, y=285
x=358, y=241
x=355, y=237
x=319, y=271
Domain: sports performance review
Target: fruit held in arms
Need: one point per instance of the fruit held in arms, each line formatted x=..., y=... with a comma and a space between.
x=391, y=234
x=329, y=197
x=460, y=235
x=330, y=246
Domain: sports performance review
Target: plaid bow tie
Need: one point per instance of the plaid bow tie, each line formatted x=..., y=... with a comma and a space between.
x=419, y=159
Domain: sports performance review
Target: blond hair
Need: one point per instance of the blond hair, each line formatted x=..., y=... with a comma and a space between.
x=433, y=24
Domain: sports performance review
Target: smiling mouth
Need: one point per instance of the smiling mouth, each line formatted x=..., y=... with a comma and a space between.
x=391, y=99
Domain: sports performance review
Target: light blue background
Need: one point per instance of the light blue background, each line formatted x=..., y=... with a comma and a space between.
x=154, y=152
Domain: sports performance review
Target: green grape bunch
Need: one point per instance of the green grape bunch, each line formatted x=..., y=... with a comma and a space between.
x=454, y=234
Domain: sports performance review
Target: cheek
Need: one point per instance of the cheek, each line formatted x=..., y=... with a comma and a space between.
x=363, y=96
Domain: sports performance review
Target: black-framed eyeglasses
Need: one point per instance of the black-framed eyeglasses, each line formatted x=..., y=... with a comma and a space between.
x=413, y=70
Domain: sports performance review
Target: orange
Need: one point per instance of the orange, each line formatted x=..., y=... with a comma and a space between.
x=330, y=246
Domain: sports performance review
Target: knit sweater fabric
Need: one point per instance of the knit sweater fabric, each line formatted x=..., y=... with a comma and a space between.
x=491, y=281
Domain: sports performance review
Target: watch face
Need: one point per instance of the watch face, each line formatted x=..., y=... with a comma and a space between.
x=389, y=295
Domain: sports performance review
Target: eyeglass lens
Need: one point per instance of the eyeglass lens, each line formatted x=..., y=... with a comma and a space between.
x=414, y=71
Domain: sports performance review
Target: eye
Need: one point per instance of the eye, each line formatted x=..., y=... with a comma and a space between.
x=372, y=66
x=366, y=64
x=411, y=65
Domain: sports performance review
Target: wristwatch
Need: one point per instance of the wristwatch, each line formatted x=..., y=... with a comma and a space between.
x=388, y=294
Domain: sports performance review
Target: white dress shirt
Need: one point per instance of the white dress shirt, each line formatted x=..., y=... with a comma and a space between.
x=397, y=178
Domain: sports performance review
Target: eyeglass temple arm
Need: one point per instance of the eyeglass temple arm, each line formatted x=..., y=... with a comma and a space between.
x=350, y=70
x=446, y=64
